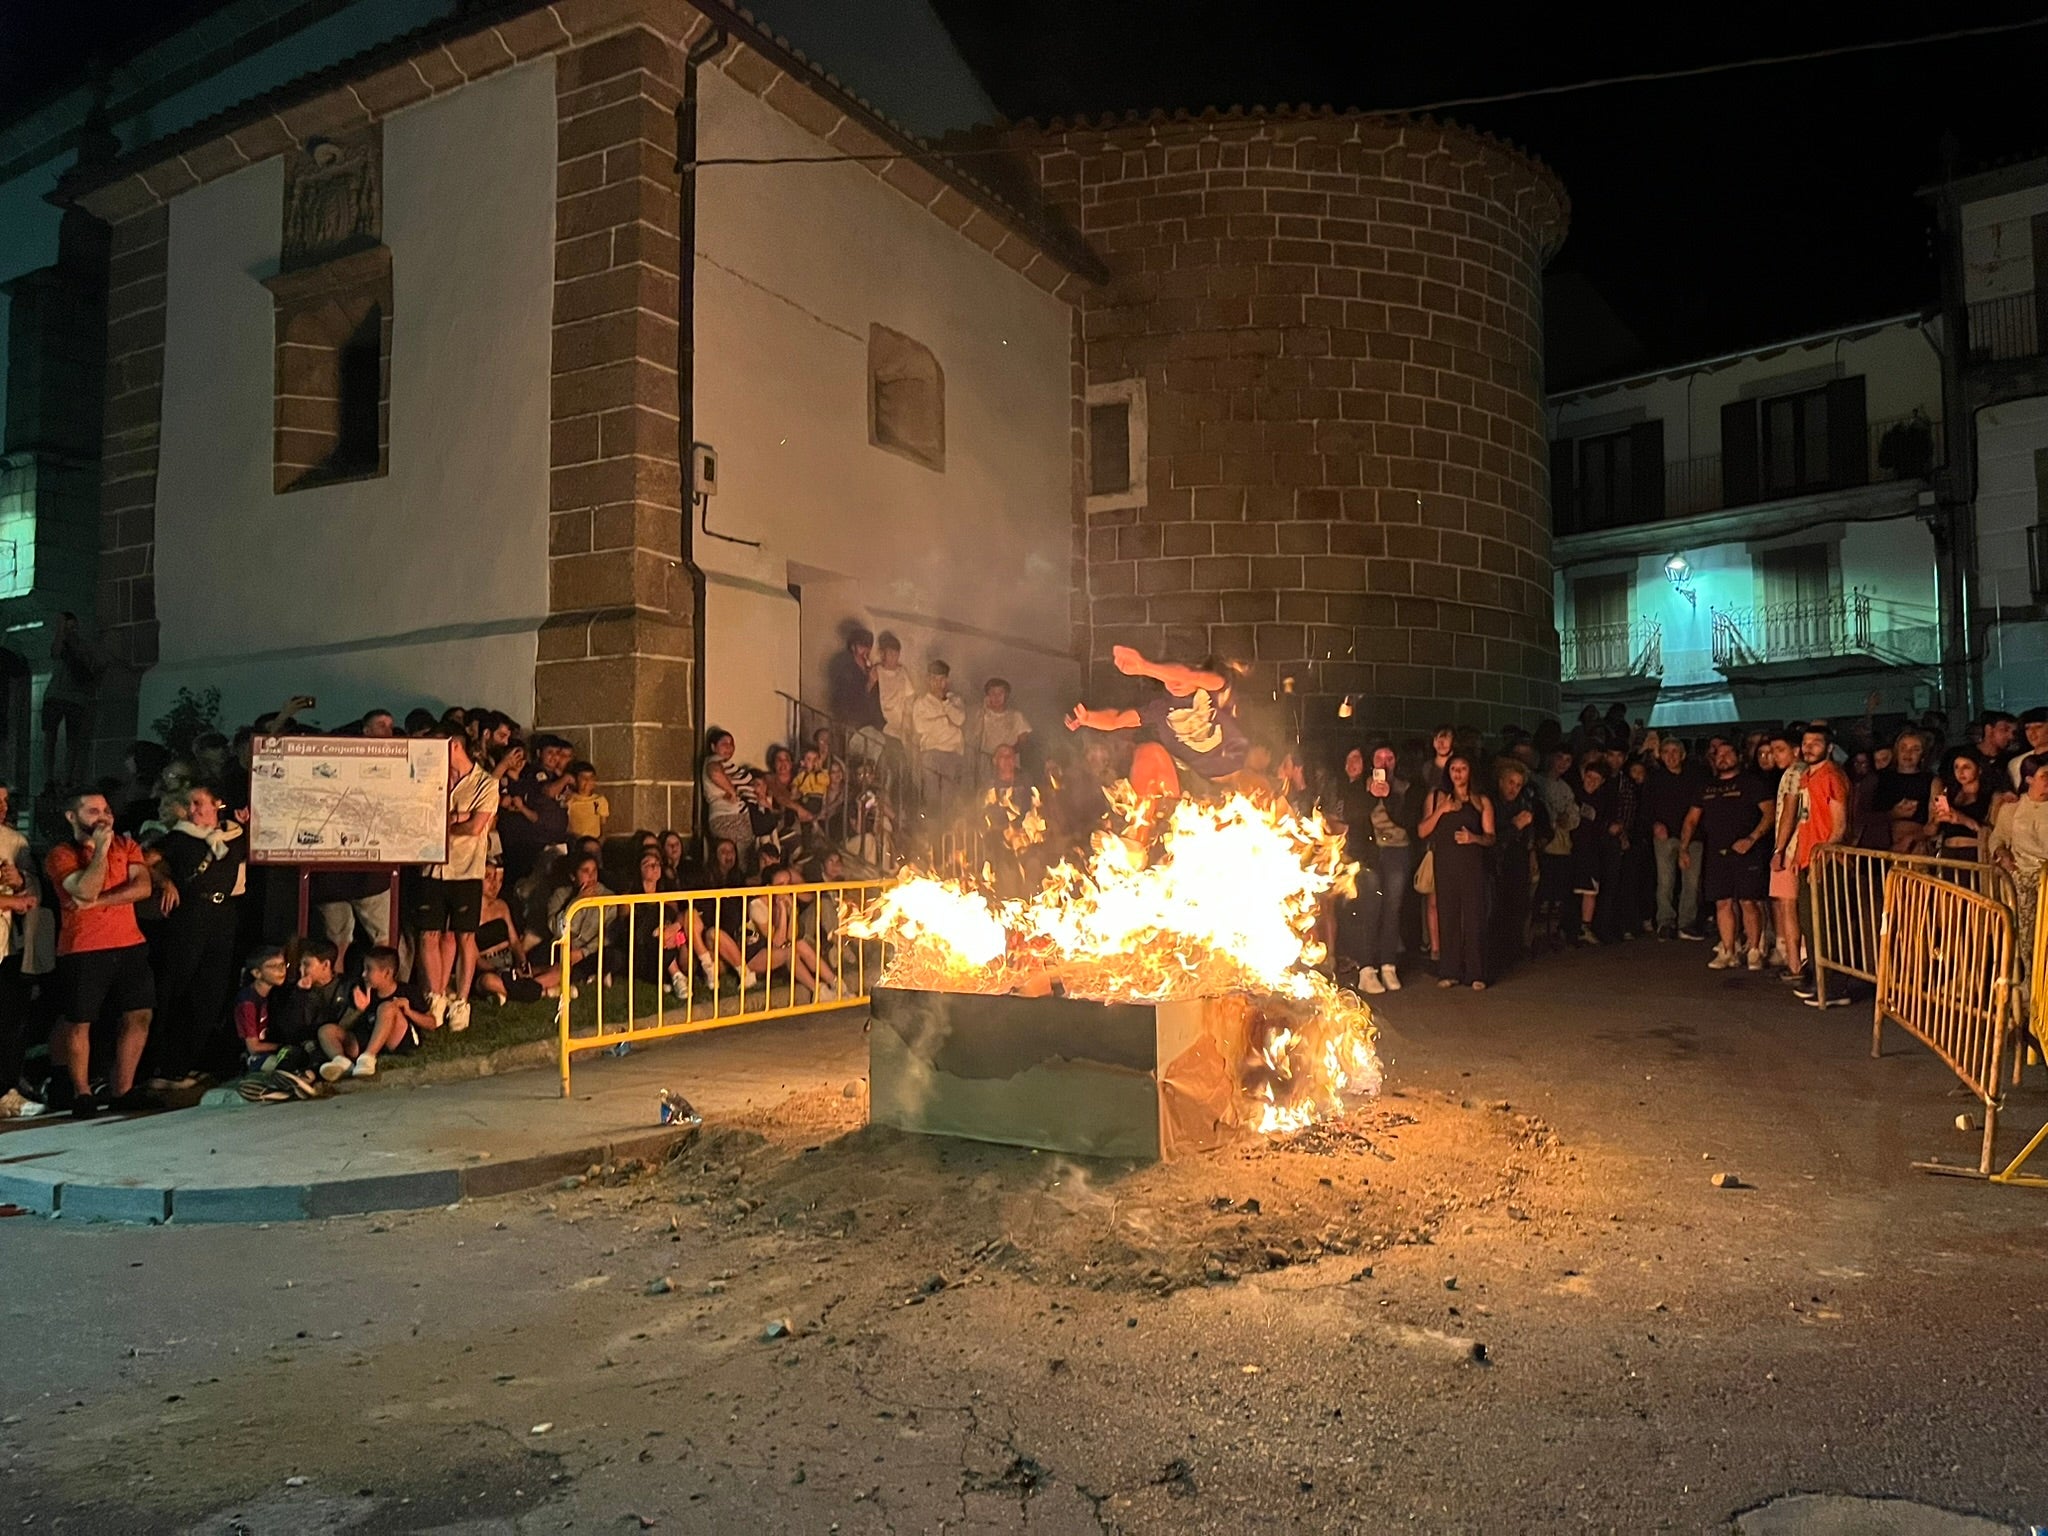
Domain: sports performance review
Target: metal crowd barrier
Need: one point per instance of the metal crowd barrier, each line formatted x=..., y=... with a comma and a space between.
x=1848, y=889
x=632, y=984
x=1945, y=974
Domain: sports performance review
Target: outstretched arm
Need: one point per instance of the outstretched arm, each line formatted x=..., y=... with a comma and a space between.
x=1102, y=719
x=1178, y=679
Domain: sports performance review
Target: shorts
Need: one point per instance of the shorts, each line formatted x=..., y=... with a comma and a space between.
x=1731, y=876
x=95, y=982
x=444, y=906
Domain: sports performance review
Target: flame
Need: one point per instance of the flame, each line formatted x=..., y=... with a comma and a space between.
x=1222, y=898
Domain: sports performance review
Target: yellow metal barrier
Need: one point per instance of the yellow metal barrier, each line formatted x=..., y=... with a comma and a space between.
x=1944, y=975
x=741, y=955
x=1848, y=890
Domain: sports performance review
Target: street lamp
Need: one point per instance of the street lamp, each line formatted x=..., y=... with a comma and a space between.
x=1678, y=571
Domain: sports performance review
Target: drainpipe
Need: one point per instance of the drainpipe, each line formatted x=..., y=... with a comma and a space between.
x=1955, y=530
x=702, y=52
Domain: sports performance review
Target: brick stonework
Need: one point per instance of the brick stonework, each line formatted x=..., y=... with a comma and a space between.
x=1339, y=323
x=135, y=383
x=616, y=650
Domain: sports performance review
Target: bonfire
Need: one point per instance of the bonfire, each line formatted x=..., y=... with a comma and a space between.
x=1220, y=898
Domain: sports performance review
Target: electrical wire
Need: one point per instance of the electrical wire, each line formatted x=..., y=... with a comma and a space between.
x=1642, y=77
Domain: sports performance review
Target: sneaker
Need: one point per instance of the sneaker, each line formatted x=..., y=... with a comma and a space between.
x=1589, y=938
x=334, y=1069
x=1391, y=977
x=1692, y=936
x=1756, y=959
x=1369, y=980
x=1668, y=932
x=85, y=1105
x=1723, y=960
x=1833, y=1000
x=458, y=1014
x=437, y=1006
x=708, y=964
x=16, y=1105
x=679, y=987
x=135, y=1100
x=366, y=1065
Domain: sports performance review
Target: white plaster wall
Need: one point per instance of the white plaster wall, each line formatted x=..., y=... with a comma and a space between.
x=1998, y=244
x=428, y=584
x=1899, y=368
x=795, y=263
x=750, y=659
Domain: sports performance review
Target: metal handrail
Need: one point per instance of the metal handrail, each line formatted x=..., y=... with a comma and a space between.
x=1767, y=632
x=2006, y=329
x=1630, y=648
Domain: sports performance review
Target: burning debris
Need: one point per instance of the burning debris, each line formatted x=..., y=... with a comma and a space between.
x=1217, y=901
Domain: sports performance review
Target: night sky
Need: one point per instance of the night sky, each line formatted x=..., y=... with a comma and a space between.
x=1710, y=214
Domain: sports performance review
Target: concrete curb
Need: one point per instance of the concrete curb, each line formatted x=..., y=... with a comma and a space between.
x=54, y=1195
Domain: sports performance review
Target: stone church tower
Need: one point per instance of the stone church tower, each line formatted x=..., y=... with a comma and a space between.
x=1321, y=347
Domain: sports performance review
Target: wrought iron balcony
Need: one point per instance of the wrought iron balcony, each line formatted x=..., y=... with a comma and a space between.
x=1631, y=649
x=2008, y=329
x=1854, y=624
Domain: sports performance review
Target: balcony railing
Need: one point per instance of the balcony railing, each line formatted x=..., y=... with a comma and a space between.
x=2007, y=329
x=2037, y=559
x=1774, y=632
x=1631, y=649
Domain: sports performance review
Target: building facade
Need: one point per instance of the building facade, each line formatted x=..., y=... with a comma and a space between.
x=1994, y=229
x=604, y=361
x=1751, y=537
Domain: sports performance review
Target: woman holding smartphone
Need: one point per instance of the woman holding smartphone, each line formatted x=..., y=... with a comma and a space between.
x=1459, y=826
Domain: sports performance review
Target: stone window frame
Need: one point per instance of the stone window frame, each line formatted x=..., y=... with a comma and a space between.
x=895, y=358
x=307, y=372
x=1130, y=393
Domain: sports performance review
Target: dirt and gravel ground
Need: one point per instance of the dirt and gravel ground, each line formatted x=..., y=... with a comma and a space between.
x=1503, y=1297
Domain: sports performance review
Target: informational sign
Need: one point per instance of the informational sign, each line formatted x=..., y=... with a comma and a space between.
x=348, y=800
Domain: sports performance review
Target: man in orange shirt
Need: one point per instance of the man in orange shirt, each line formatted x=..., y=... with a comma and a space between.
x=102, y=961
x=1823, y=818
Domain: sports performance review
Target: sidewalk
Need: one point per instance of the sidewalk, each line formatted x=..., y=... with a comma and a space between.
x=388, y=1146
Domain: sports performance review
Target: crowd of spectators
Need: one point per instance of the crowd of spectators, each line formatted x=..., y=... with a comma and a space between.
x=155, y=959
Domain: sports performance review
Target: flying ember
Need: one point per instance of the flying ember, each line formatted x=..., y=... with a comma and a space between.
x=1222, y=899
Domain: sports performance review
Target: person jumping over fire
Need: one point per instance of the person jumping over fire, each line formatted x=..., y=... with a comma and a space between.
x=1192, y=726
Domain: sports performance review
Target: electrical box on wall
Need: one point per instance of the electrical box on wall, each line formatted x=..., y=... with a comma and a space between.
x=703, y=469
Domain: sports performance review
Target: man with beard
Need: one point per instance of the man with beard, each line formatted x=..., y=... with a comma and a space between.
x=1732, y=818
x=102, y=961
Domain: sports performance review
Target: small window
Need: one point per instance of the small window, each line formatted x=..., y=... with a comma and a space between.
x=1109, y=448
x=333, y=390
x=906, y=398
x=1116, y=445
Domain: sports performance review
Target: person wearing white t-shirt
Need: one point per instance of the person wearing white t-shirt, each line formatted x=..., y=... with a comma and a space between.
x=447, y=900
x=936, y=723
x=896, y=688
x=997, y=726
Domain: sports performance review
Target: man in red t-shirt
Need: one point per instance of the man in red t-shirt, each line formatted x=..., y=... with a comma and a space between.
x=1823, y=819
x=102, y=961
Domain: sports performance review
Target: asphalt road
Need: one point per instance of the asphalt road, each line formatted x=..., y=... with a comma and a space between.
x=1506, y=1298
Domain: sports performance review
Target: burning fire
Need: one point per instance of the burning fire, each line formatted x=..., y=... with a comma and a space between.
x=1223, y=900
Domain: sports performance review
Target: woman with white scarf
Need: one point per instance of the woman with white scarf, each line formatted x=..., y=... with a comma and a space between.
x=200, y=883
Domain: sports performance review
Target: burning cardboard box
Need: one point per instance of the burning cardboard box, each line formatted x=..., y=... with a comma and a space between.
x=1150, y=1004
x=1134, y=1080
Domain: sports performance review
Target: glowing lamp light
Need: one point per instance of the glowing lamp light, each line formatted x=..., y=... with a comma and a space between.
x=1678, y=570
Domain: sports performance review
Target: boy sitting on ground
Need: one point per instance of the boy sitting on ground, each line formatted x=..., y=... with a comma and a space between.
x=267, y=972
x=386, y=1021
x=318, y=1001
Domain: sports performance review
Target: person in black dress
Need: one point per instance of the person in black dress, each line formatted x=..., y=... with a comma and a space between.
x=1458, y=825
x=1521, y=827
x=194, y=949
